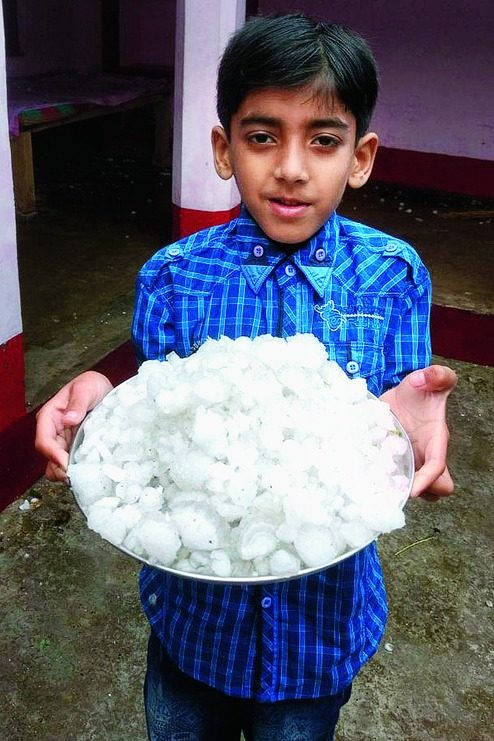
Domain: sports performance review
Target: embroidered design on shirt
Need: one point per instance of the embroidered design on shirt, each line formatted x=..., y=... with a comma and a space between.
x=335, y=318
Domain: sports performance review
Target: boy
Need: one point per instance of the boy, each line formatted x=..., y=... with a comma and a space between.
x=294, y=100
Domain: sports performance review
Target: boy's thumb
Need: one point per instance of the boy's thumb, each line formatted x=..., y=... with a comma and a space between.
x=77, y=407
x=81, y=399
x=72, y=417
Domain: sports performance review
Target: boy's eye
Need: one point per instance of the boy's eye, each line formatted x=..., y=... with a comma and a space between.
x=260, y=138
x=326, y=141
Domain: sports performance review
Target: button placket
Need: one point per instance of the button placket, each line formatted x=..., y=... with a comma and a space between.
x=268, y=679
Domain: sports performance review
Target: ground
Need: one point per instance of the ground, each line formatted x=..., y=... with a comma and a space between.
x=72, y=647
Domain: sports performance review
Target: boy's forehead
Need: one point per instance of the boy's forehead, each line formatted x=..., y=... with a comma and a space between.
x=310, y=102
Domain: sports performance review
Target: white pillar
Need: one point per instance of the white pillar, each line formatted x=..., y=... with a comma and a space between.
x=202, y=32
x=11, y=352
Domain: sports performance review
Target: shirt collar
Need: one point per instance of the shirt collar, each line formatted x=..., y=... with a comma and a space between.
x=260, y=256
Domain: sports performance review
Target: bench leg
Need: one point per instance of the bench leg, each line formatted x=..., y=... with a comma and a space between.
x=23, y=173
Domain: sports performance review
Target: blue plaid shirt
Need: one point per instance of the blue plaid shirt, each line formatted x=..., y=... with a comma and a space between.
x=366, y=296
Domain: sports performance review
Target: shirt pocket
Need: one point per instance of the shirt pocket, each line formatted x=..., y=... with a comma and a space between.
x=360, y=360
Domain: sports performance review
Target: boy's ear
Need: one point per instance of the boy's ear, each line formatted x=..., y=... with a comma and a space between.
x=365, y=154
x=221, y=152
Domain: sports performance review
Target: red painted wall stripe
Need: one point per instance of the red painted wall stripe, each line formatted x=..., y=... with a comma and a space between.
x=189, y=220
x=20, y=464
x=12, y=387
x=462, y=335
x=465, y=175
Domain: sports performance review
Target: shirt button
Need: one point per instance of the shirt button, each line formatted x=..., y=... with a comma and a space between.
x=290, y=270
x=173, y=251
x=266, y=602
x=152, y=600
x=258, y=250
x=320, y=254
x=391, y=248
x=352, y=367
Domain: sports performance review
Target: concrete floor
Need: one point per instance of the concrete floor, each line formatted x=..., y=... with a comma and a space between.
x=73, y=639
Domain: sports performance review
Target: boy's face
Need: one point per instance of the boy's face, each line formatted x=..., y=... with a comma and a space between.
x=292, y=155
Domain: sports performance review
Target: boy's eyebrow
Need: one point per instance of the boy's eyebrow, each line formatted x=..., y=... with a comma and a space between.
x=331, y=123
x=317, y=123
x=255, y=120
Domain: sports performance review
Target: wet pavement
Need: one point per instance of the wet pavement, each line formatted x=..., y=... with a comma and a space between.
x=72, y=648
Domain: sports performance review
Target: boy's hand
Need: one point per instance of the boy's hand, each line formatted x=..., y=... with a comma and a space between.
x=57, y=420
x=419, y=402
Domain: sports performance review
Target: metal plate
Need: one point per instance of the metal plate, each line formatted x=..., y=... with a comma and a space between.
x=408, y=470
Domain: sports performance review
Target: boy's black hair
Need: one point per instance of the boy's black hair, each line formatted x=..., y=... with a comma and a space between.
x=295, y=51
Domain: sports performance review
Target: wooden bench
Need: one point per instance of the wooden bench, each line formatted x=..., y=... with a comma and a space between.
x=22, y=144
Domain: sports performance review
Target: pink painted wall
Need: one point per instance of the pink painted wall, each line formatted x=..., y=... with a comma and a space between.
x=66, y=34
x=436, y=63
x=147, y=32
x=57, y=35
x=436, y=59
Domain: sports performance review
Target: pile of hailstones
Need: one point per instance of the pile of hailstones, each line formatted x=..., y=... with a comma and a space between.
x=249, y=458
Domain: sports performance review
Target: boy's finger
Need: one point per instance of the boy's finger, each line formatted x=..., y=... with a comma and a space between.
x=433, y=478
x=81, y=400
x=50, y=440
x=55, y=452
x=55, y=472
x=434, y=378
x=84, y=394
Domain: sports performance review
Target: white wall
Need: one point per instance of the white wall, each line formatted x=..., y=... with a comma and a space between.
x=195, y=182
x=10, y=307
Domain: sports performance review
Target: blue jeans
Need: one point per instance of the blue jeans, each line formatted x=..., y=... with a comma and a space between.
x=179, y=708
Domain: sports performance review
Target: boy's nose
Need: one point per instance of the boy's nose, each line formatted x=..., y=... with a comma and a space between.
x=291, y=165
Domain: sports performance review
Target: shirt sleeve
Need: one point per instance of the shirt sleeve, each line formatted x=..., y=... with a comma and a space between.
x=153, y=327
x=408, y=343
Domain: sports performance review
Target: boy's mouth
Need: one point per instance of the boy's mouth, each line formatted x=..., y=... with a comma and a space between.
x=285, y=207
x=292, y=202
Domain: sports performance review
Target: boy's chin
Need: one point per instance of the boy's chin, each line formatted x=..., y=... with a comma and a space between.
x=288, y=234
x=289, y=237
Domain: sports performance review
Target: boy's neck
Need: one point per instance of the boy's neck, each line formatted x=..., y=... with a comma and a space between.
x=289, y=249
